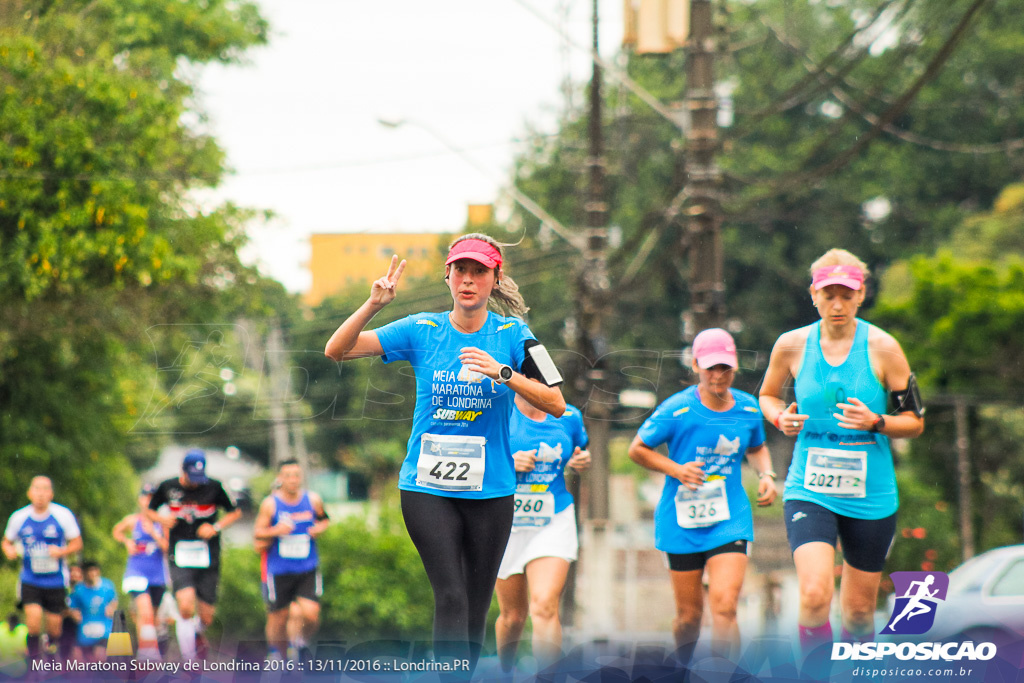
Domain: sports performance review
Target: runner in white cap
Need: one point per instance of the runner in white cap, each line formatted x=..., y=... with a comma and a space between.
x=703, y=519
x=458, y=478
x=841, y=484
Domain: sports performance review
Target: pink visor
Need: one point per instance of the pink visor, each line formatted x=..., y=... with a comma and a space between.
x=475, y=249
x=847, y=276
x=714, y=347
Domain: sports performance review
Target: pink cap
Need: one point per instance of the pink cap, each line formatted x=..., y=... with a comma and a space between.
x=715, y=347
x=475, y=249
x=847, y=276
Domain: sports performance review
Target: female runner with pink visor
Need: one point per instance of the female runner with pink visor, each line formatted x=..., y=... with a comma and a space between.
x=458, y=479
x=841, y=483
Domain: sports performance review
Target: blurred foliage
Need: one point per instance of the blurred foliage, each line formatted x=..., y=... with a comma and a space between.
x=927, y=532
x=958, y=313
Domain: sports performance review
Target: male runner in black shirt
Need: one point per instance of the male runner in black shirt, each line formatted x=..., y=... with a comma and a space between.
x=194, y=536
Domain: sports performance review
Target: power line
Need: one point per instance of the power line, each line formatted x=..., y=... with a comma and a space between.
x=808, y=178
x=858, y=108
x=284, y=170
x=792, y=96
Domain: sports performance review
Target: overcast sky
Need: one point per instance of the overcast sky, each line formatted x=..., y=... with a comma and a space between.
x=299, y=122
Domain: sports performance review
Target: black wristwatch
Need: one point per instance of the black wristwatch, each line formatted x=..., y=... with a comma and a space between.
x=504, y=374
x=878, y=424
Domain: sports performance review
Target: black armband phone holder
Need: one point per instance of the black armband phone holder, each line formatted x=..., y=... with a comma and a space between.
x=908, y=400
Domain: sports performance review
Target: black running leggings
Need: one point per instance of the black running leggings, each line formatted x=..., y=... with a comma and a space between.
x=461, y=542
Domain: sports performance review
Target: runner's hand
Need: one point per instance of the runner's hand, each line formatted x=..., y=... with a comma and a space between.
x=56, y=551
x=691, y=475
x=206, y=531
x=791, y=422
x=129, y=545
x=855, y=415
x=766, y=492
x=283, y=528
x=580, y=460
x=525, y=460
x=382, y=292
x=480, y=361
x=318, y=528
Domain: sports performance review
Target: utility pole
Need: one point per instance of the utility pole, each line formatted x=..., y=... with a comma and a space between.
x=592, y=305
x=703, y=238
x=594, y=288
x=278, y=377
x=963, y=469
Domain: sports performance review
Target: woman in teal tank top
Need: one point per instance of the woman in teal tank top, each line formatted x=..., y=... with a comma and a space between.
x=841, y=484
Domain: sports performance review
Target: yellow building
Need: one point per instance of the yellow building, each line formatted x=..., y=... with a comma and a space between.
x=342, y=260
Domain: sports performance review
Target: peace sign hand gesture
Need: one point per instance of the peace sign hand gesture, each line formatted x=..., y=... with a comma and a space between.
x=383, y=290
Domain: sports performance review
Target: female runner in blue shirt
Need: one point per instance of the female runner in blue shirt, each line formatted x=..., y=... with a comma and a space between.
x=457, y=481
x=841, y=483
x=703, y=519
x=544, y=537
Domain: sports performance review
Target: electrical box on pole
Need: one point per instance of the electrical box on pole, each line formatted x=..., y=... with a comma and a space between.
x=656, y=26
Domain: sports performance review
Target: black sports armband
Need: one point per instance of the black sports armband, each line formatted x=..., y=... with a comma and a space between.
x=908, y=400
x=321, y=516
x=537, y=364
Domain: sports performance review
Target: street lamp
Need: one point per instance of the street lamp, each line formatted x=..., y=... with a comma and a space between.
x=514, y=192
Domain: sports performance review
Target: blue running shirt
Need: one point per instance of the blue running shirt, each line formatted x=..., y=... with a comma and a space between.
x=459, y=445
x=92, y=603
x=37, y=533
x=554, y=439
x=718, y=439
x=819, y=387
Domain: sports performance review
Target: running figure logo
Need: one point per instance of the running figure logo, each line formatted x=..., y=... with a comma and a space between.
x=917, y=597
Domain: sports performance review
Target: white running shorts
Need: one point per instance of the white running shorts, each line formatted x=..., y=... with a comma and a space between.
x=557, y=539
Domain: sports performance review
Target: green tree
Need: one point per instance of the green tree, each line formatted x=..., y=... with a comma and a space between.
x=958, y=314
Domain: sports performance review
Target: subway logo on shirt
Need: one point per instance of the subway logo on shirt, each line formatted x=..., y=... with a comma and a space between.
x=456, y=415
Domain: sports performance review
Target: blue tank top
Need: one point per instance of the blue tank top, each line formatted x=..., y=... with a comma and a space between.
x=295, y=553
x=148, y=559
x=819, y=387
